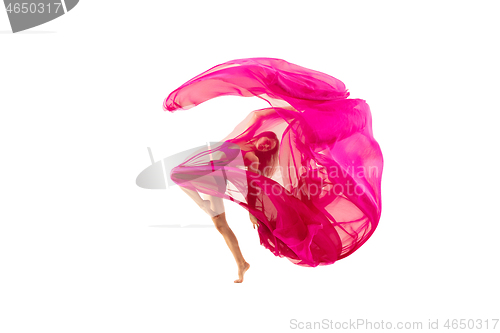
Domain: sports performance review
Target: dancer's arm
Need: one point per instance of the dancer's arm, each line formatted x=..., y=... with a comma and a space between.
x=253, y=166
x=259, y=115
x=263, y=112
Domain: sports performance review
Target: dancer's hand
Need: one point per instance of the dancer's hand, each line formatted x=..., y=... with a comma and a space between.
x=254, y=220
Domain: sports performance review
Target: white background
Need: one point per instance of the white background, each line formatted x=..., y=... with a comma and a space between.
x=83, y=249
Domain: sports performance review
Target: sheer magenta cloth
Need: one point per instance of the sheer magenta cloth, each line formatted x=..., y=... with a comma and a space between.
x=324, y=199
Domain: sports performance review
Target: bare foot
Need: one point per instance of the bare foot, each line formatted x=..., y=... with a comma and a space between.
x=241, y=271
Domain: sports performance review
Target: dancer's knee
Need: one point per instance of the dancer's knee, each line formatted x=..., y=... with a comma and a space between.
x=220, y=222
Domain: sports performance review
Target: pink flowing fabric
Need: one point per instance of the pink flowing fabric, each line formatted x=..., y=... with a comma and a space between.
x=324, y=199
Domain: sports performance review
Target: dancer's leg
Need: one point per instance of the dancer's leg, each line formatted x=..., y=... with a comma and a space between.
x=214, y=207
x=203, y=204
x=216, y=204
x=231, y=241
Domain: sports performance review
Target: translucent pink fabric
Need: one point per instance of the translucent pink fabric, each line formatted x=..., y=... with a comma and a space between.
x=324, y=199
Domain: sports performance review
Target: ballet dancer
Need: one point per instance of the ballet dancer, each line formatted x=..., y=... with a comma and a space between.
x=256, y=152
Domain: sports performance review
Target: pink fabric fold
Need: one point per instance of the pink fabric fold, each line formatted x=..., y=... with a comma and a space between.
x=324, y=200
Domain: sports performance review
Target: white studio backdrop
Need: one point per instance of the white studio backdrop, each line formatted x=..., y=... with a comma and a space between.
x=83, y=249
